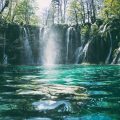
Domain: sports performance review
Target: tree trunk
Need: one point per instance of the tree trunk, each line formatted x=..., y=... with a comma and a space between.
x=60, y=6
x=93, y=19
x=76, y=17
x=65, y=5
x=83, y=9
x=4, y=6
x=88, y=13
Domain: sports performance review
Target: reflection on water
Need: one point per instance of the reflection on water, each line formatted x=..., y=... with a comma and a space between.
x=51, y=105
x=69, y=92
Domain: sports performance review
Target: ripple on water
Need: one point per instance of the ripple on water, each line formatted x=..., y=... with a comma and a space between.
x=65, y=92
x=98, y=116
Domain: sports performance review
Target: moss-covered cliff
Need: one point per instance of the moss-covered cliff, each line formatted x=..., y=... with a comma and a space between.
x=96, y=43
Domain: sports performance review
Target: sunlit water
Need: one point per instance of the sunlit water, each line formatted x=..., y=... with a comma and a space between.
x=69, y=92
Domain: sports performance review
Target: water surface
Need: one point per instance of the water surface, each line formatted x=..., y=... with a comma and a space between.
x=63, y=92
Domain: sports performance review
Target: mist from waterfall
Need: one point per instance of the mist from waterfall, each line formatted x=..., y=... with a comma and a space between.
x=60, y=45
x=28, y=56
x=51, y=47
x=50, y=52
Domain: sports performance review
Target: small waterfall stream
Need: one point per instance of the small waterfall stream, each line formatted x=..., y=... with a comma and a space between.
x=117, y=57
x=85, y=51
x=110, y=51
x=68, y=40
x=28, y=56
x=69, y=44
x=40, y=52
x=104, y=29
x=5, y=57
x=78, y=53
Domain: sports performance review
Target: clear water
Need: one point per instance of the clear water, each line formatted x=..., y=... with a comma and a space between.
x=69, y=92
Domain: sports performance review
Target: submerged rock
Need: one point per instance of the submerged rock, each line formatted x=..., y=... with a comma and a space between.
x=116, y=59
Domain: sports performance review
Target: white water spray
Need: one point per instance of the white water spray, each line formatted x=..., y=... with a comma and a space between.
x=78, y=54
x=28, y=51
x=110, y=51
x=69, y=43
x=85, y=51
x=51, y=48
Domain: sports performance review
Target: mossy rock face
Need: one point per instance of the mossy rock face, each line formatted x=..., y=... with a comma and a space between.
x=99, y=22
x=12, y=32
x=12, y=43
x=59, y=29
x=96, y=52
x=3, y=26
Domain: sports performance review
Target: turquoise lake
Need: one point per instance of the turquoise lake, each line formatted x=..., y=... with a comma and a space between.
x=60, y=92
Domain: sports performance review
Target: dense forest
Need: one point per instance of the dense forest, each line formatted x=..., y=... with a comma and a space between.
x=91, y=29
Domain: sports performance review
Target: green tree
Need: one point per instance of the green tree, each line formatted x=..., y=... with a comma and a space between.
x=21, y=11
x=111, y=7
x=24, y=12
x=75, y=12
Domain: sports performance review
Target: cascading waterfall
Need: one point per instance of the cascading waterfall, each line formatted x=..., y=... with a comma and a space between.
x=68, y=38
x=104, y=29
x=85, y=51
x=116, y=59
x=60, y=44
x=78, y=53
x=50, y=50
x=41, y=31
x=50, y=54
x=69, y=45
x=28, y=56
x=110, y=51
x=5, y=57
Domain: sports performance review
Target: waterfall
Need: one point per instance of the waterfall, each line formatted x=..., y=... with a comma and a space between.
x=5, y=57
x=28, y=56
x=85, y=51
x=51, y=47
x=110, y=51
x=116, y=59
x=68, y=38
x=69, y=45
x=104, y=29
x=78, y=53
x=40, y=45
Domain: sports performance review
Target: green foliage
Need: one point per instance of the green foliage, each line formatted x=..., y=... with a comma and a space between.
x=94, y=29
x=25, y=12
x=74, y=11
x=111, y=8
x=85, y=30
x=22, y=11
